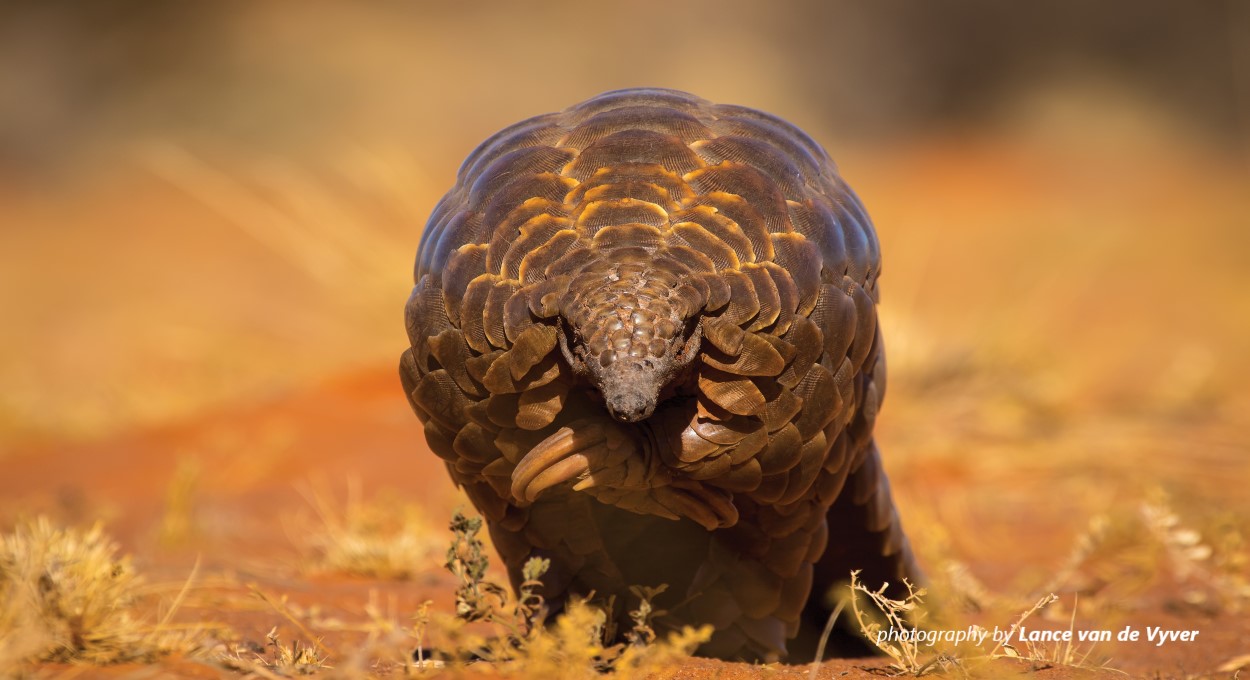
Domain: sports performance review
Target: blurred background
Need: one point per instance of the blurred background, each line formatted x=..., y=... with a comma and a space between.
x=209, y=211
x=207, y=203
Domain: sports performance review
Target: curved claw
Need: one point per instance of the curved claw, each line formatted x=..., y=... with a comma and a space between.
x=550, y=461
x=710, y=509
x=578, y=450
x=610, y=464
x=576, y=465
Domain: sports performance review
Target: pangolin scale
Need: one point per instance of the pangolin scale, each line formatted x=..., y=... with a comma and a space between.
x=644, y=339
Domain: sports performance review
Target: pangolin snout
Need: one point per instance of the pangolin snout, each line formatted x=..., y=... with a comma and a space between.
x=630, y=391
x=626, y=334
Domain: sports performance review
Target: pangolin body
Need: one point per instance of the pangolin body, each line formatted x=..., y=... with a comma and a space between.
x=644, y=339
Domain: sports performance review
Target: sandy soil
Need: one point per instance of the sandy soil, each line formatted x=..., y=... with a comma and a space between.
x=246, y=500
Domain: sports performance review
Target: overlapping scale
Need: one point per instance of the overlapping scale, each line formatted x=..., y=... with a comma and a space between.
x=667, y=121
x=628, y=146
x=750, y=219
x=782, y=172
x=626, y=228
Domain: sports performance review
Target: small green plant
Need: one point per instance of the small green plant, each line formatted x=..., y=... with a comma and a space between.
x=479, y=599
x=642, y=634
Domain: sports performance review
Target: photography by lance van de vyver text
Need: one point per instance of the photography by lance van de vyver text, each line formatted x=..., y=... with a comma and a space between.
x=979, y=636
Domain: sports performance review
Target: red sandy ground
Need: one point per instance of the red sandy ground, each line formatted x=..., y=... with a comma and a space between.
x=361, y=428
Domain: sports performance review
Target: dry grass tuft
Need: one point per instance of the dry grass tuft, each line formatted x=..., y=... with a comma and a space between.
x=65, y=596
x=1138, y=558
x=1043, y=655
x=924, y=652
x=274, y=659
x=1145, y=551
x=379, y=538
x=1212, y=579
x=908, y=656
x=392, y=644
x=384, y=643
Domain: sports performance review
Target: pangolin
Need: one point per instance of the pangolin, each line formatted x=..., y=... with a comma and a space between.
x=644, y=339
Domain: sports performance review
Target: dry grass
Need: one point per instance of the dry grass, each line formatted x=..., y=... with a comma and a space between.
x=381, y=537
x=925, y=651
x=1138, y=559
x=68, y=597
x=578, y=644
x=178, y=523
x=1216, y=580
x=331, y=246
x=1037, y=653
x=1131, y=558
x=1043, y=655
x=379, y=641
x=274, y=659
x=908, y=656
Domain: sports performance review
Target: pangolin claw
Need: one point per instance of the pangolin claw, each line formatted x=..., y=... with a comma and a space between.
x=581, y=450
x=709, y=508
x=602, y=459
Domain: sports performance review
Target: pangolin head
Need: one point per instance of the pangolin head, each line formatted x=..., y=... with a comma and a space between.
x=630, y=335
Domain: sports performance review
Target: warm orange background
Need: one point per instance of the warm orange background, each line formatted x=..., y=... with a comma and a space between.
x=210, y=208
x=202, y=202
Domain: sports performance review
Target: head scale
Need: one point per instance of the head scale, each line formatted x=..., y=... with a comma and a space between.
x=629, y=335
